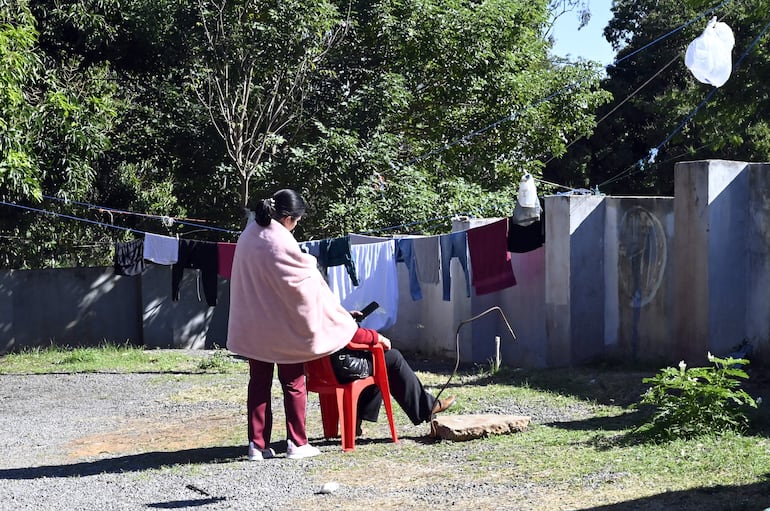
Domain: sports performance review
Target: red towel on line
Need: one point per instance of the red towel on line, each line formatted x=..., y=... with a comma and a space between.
x=490, y=260
x=226, y=254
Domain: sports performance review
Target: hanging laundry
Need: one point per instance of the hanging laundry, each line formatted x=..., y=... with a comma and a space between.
x=161, y=249
x=314, y=249
x=311, y=247
x=377, y=281
x=527, y=196
x=453, y=245
x=129, y=258
x=200, y=255
x=363, y=239
x=490, y=260
x=428, y=258
x=336, y=252
x=709, y=57
x=225, y=255
x=405, y=254
x=525, y=238
x=527, y=209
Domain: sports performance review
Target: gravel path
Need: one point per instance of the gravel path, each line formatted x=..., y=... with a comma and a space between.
x=132, y=441
x=50, y=424
x=176, y=441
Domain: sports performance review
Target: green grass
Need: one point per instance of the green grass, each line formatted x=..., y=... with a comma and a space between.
x=589, y=458
x=580, y=451
x=116, y=359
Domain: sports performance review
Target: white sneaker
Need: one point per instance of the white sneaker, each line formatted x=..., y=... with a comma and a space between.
x=303, y=451
x=256, y=454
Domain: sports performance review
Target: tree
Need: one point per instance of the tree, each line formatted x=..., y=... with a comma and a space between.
x=437, y=107
x=636, y=149
x=252, y=72
x=55, y=122
x=380, y=112
x=19, y=65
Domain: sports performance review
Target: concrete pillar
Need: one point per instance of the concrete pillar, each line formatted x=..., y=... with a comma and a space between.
x=758, y=248
x=710, y=258
x=574, y=278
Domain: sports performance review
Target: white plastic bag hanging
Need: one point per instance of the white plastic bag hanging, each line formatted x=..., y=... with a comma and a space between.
x=527, y=191
x=527, y=209
x=709, y=57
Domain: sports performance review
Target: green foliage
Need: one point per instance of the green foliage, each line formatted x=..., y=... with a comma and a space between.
x=20, y=67
x=698, y=400
x=179, y=108
x=401, y=104
x=219, y=361
x=110, y=357
x=655, y=93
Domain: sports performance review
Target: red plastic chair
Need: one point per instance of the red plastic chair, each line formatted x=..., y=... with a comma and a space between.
x=339, y=400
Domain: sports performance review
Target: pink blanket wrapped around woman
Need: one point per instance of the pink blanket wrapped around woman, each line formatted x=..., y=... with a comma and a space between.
x=281, y=309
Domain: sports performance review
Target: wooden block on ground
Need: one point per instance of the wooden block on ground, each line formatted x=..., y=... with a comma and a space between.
x=468, y=427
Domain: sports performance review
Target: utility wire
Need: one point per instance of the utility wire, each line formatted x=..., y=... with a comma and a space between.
x=640, y=165
x=634, y=93
x=162, y=218
x=513, y=116
x=70, y=217
x=665, y=36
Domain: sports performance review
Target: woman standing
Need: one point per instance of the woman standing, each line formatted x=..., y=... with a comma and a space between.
x=283, y=312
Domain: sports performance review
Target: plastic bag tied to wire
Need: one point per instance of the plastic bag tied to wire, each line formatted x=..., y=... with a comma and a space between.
x=709, y=57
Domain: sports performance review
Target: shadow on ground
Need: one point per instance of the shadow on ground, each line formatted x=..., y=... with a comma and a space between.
x=129, y=463
x=750, y=497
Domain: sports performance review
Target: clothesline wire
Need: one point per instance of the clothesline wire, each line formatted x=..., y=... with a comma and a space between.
x=639, y=166
x=418, y=222
x=135, y=231
x=145, y=215
x=658, y=164
x=665, y=36
x=71, y=217
x=553, y=184
x=564, y=89
x=616, y=107
x=446, y=146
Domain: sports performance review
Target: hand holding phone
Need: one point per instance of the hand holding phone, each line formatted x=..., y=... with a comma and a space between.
x=367, y=310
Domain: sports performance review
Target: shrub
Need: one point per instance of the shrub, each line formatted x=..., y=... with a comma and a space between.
x=698, y=400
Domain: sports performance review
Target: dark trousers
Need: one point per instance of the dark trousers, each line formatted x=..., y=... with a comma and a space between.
x=258, y=403
x=405, y=388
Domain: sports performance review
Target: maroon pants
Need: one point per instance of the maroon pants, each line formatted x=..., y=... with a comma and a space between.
x=258, y=403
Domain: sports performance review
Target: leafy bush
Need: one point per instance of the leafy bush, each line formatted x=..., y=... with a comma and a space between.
x=217, y=362
x=698, y=400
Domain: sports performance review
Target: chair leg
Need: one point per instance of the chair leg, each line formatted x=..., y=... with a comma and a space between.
x=348, y=414
x=329, y=415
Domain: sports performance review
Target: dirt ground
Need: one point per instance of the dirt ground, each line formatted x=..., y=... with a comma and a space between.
x=177, y=441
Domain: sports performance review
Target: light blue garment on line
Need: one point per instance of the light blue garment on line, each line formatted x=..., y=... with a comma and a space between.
x=454, y=245
x=378, y=281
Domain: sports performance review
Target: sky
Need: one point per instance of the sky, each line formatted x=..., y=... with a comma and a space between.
x=588, y=42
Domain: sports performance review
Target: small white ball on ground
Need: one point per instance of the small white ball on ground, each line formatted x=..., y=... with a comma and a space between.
x=330, y=487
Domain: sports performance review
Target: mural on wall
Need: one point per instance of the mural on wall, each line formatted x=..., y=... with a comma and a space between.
x=642, y=255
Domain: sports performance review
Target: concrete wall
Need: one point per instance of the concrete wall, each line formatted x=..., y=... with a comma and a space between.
x=630, y=279
x=638, y=258
x=88, y=306
x=721, y=258
x=72, y=306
